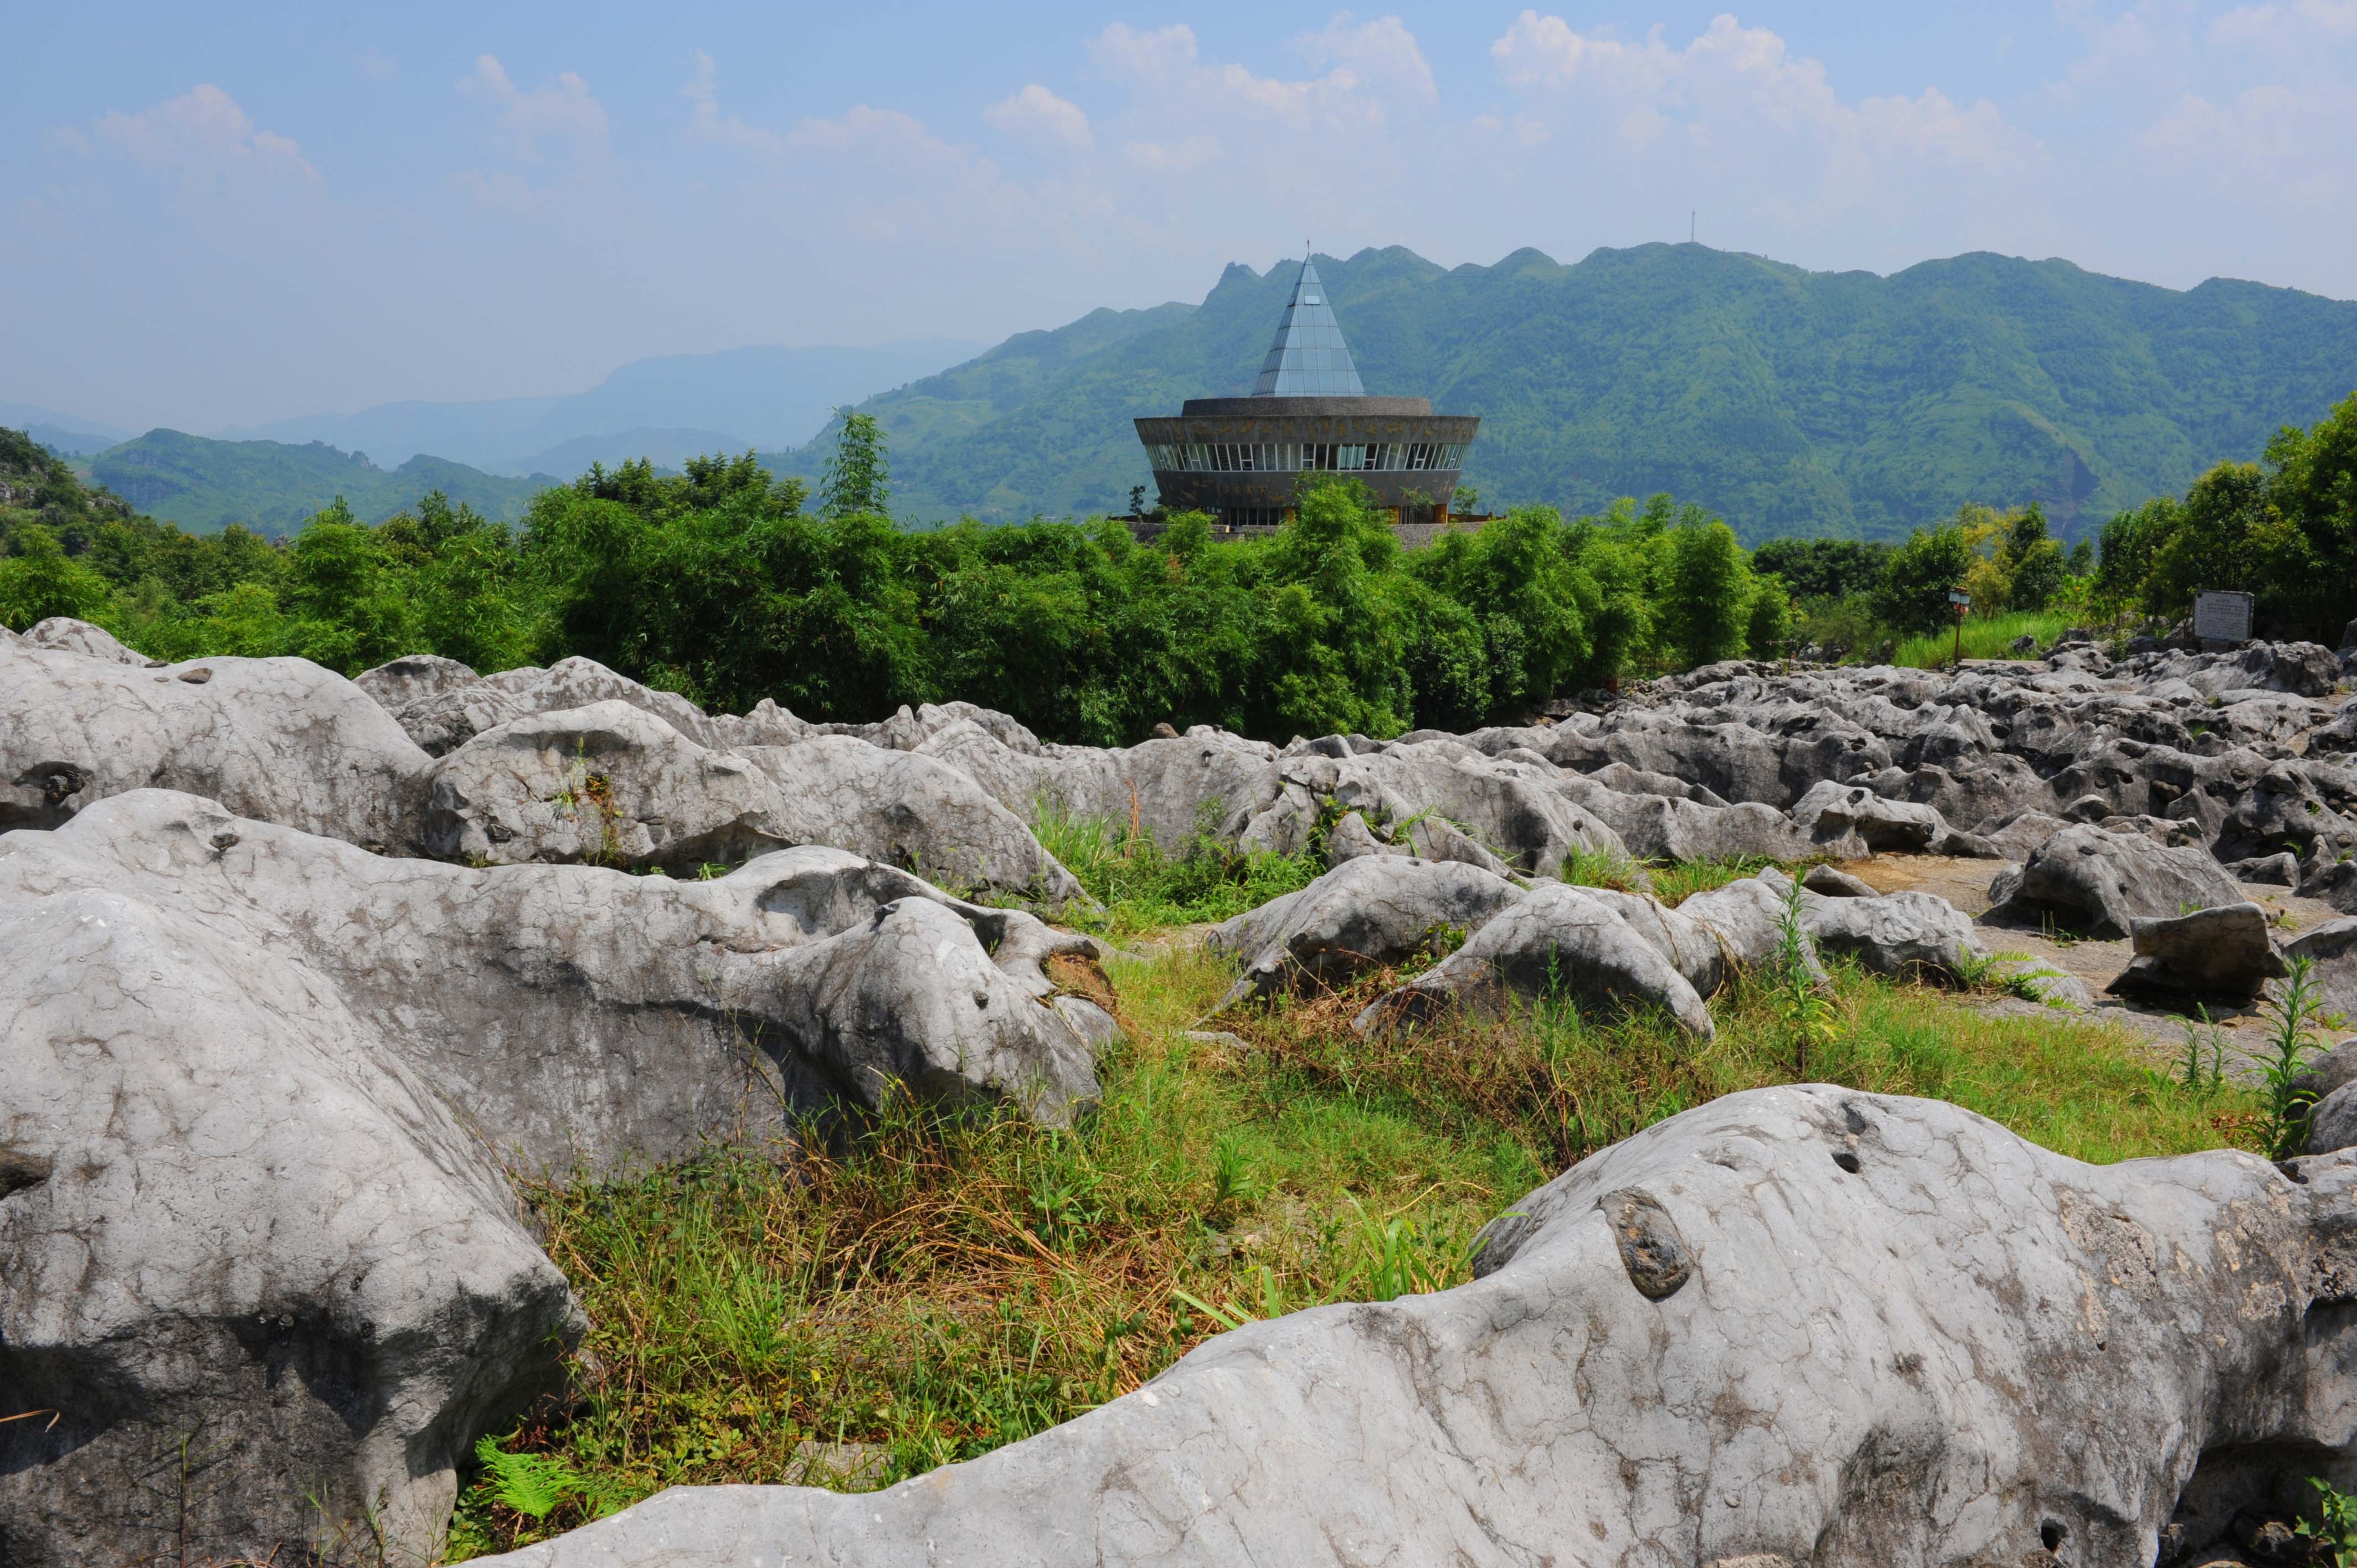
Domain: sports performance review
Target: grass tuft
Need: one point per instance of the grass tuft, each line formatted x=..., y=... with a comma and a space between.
x=1985, y=637
x=1145, y=887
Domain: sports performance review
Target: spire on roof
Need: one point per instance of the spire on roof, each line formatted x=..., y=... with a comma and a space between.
x=1308, y=357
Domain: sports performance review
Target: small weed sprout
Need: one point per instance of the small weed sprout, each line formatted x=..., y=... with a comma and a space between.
x=1233, y=1182
x=2291, y=1040
x=2203, y=1067
x=1806, y=1013
x=2334, y=1530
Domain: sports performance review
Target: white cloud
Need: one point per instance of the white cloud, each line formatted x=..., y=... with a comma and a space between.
x=1173, y=158
x=2279, y=25
x=1158, y=56
x=1374, y=63
x=2272, y=137
x=1034, y=112
x=1739, y=81
x=564, y=113
x=705, y=121
x=1382, y=52
x=202, y=132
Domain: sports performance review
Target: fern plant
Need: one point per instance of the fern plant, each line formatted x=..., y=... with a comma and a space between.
x=533, y=1483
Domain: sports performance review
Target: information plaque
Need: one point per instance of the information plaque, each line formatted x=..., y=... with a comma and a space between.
x=2221, y=617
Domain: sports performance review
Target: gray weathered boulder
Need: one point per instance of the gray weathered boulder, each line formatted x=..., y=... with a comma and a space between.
x=1746, y=918
x=2332, y=948
x=1371, y=910
x=1835, y=814
x=1793, y=1325
x=909, y=808
x=1908, y=934
x=607, y=784
x=2222, y=951
x=2106, y=881
x=1558, y=940
x=233, y=1218
x=580, y=1016
x=71, y=636
x=277, y=739
x=1658, y=827
x=398, y=683
x=2274, y=870
x=2332, y=1123
x=612, y=784
x=1351, y=839
x=1831, y=883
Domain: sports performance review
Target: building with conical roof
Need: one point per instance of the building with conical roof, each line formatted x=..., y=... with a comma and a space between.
x=1242, y=458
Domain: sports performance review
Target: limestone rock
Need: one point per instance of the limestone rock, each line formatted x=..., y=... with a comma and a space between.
x=1746, y=918
x=1557, y=939
x=1352, y=838
x=1833, y=814
x=1828, y=882
x=246, y=1218
x=2106, y=881
x=1906, y=934
x=277, y=739
x=578, y=682
x=1658, y=827
x=2332, y=1122
x=2221, y=951
x=2332, y=948
x=1865, y=1277
x=71, y=636
x=2328, y=1072
x=607, y=784
x=577, y=1015
x=398, y=683
x=1371, y=910
x=612, y=784
x=2274, y=870
x=910, y=809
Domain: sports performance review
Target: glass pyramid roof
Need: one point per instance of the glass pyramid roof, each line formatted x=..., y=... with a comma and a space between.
x=1308, y=357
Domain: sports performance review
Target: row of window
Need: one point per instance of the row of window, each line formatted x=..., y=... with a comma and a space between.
x=1295, y=457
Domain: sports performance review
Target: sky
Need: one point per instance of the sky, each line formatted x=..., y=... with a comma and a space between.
x=212, y=217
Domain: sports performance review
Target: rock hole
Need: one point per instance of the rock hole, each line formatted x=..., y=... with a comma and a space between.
x=1847, y=1160
x=2052, y=1535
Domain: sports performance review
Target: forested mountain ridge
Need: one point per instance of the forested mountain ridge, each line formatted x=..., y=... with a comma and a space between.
x=271, y=487
x=1787, y=401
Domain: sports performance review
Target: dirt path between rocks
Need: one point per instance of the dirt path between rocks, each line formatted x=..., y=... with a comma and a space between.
x=1964, y=883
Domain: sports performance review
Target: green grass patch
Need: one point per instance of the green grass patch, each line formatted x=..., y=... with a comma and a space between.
x=1985, y=637
x=937, y=1287
x=1145, y=887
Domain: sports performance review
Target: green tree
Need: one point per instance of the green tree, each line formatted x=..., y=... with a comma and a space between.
x=1912, y=594
x=348, y=613
x=41, y=580
x=1769, y=625
x=1707, y=609
x=2033, y=561
x=857, y=480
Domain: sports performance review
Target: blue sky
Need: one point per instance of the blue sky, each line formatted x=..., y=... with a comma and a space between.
x=212, y=217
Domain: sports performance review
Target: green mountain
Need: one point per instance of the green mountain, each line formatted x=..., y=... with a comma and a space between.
x=272, y=487
x=1789, y=401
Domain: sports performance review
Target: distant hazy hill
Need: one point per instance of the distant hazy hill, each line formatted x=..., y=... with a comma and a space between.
x=272, y=486
x=64, y=433
x=1788, y=401
x=737, y=399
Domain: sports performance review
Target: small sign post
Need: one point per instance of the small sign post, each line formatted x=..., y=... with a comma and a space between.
x=1962, y=601
x=2221, y=617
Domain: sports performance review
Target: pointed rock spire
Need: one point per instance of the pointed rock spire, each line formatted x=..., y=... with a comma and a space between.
x=1308, y=357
